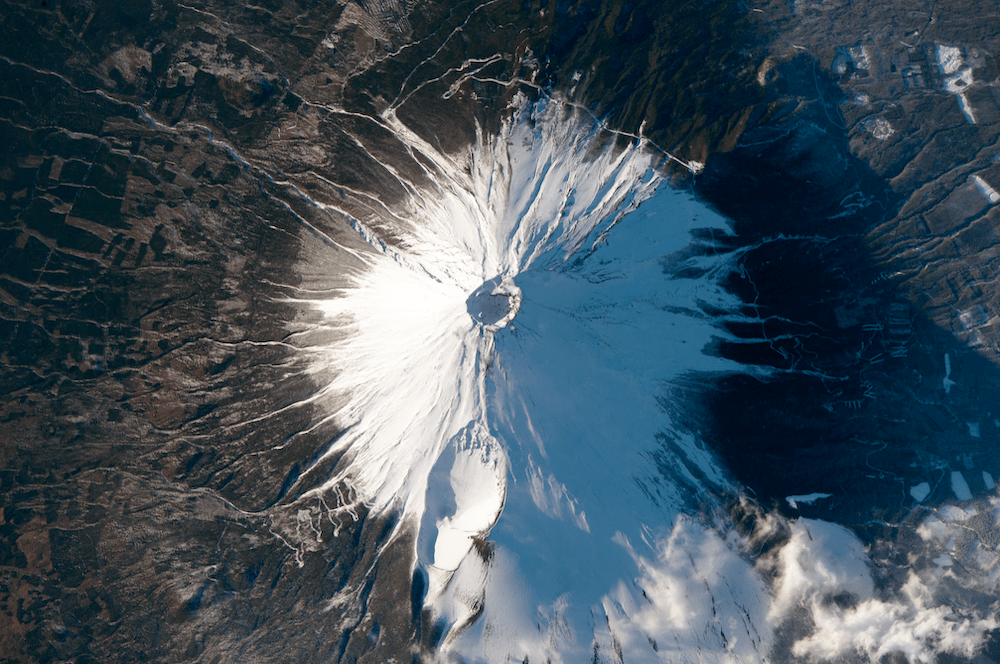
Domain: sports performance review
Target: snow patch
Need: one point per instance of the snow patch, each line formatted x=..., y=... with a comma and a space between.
x=807, y=499
x=989, y=192
x=920, y=491
x=958, y=82
x=955, y=514
x=959, y=486
x=944, y=560
x=879, y=128
x=553, y=499
x=950, y=62
x=948, y=383
x=933, y=529
x=949, y=59
x=859, y=57
x=963, y=103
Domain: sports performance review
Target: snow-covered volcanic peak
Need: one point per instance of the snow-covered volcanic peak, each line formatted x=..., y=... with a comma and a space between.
x=418, y=324
x=501, y=371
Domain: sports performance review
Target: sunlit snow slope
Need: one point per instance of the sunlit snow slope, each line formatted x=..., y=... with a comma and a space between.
x=501, y=363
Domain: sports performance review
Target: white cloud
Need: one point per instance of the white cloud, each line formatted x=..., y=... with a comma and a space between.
x=698, y=595
x=907, y=626
x=822, y=562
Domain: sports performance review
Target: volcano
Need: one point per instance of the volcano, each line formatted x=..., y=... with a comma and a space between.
x=498, y=331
